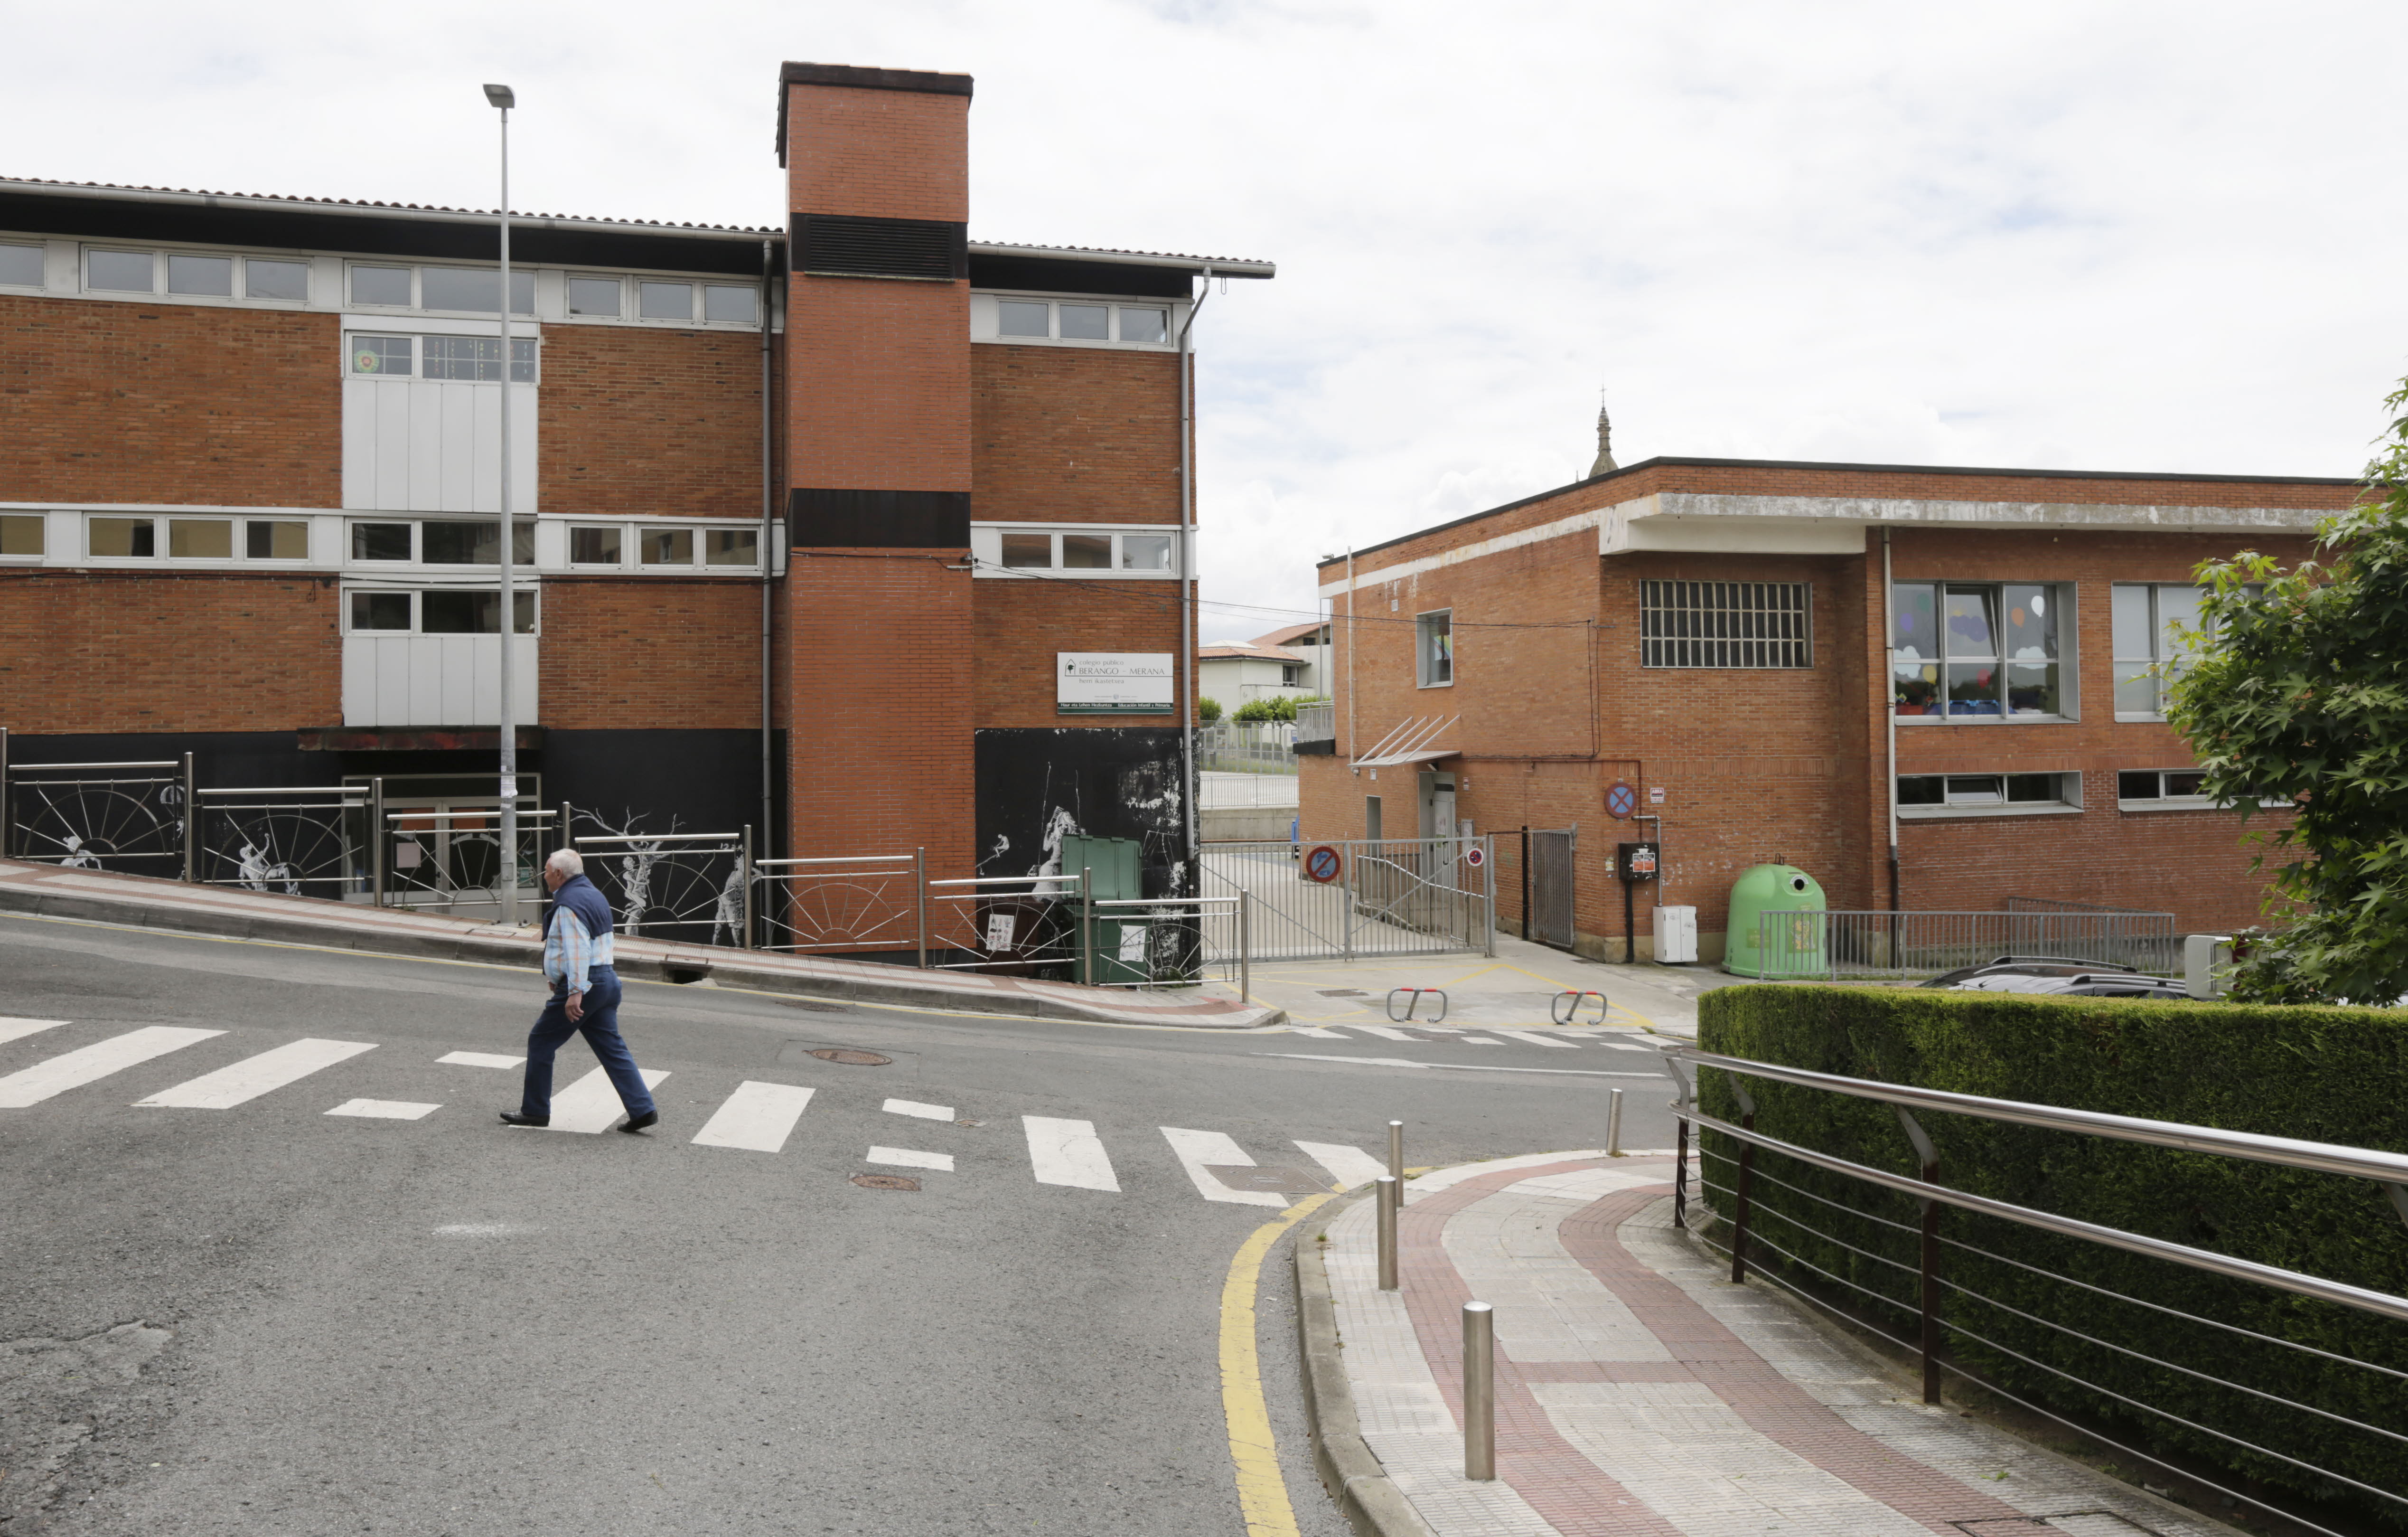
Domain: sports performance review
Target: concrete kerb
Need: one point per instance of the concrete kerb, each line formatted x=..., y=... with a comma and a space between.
x=640, y=959
x=1349, y=1470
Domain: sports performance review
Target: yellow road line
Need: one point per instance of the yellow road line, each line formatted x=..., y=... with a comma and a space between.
x=1262, y=1491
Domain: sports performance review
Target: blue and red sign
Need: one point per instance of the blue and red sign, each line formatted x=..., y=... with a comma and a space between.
x=1621, y=800
x=1322, y=864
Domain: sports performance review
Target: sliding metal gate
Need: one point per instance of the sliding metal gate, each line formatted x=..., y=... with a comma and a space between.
x=1391, y=897
x=1551, y=886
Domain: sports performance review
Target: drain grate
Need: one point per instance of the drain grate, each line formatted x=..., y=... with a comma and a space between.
x=886, y=1182
x=1343, y=991
x=851, y=1056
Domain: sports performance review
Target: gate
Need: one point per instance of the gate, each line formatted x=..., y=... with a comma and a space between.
x=1388, y=897
x=1551, y=886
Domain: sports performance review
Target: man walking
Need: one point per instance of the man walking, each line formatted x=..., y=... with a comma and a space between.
x=577, y=958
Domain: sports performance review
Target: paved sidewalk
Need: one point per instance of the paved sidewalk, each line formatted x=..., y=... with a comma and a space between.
x=1639, y=1393
x=151, y=903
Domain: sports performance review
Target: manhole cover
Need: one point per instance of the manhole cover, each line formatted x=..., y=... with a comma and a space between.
x=853, y=1057
x=1278, y=1178
x=1343, y=991
x=886, y=1182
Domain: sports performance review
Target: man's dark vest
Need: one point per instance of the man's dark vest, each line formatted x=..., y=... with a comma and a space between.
x=578, y=895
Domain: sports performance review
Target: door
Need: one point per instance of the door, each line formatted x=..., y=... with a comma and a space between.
x=1372, y=818
x=1551, y=887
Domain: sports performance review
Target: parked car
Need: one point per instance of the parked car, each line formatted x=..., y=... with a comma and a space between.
x=2029, y=966
x=2077, y=984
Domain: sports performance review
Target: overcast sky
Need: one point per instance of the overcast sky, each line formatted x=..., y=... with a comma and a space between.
x=2165, y=237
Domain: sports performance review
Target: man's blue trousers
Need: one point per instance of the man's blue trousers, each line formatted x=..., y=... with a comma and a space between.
x=600, y=1028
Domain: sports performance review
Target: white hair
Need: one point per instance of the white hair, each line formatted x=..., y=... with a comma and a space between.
x=566, y=861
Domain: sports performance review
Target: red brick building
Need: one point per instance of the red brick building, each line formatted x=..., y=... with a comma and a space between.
x=809, y=513
x=1784, y=662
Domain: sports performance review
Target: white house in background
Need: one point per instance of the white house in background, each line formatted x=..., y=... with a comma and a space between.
x=1236, y=672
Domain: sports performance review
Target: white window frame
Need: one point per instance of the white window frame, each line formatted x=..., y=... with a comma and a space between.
x=2069, y=803
x=417, y=591
x=2179, y=803
x=2161, y=663
x=418, y=561
x=627, y=549
x=41, y=522
x=41, y=250
x=2068, y=597
x=693, y=301
x=1666, y=644
x=1423, y=661
x=986, y=552
x=354, y=335
x=103, y=247
x=986, y=319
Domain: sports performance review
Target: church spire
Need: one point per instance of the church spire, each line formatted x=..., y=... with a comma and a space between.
x=1604, y=441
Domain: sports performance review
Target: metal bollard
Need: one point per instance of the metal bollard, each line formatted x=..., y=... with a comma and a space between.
x=1384, y=1197
x=1479, y=1390
x=1613, y=1124
x=1396, y=1158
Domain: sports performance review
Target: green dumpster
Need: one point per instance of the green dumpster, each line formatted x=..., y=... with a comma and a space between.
x=1796, y=942
x=1112, y=866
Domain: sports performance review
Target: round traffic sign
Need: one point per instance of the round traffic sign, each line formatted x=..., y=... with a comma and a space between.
x=1475, y=857
x=1621, y=800
x=1322, y=864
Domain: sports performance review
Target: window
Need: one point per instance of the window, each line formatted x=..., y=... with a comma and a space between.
x=122, y=538
x=1024, y=318
x=21, y=534
x=1987, y=794
x=381, y=611
x=440, y=610
x=2148, y=652
x=1291, y=674
x=476, y=290
x=729, y=304
x=1145, y=553
x=266, y=280
x=380, y=355
x=594, y=547
x=1086, y=552
x=208, y=277
x=665, y=301
x=1086, y=323
x=21, y=267
x=665, y=546
x=1983, y=650
x=123, y=272
x=263, y=539
x=387, y=285
x=2173, y=790
x=1725, y=624
x=382, y=540
x=597, y=297
x=731, y=546
x=1028, y=552
x=1434, y=648
x=1151, y=326
x=478, y=358
x=200, y=538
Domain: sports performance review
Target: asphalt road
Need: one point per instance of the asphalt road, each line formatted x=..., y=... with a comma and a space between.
x=267, y=1319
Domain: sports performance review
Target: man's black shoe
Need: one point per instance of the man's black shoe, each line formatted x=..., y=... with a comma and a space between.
x=512, y=1117
x=637, y=1122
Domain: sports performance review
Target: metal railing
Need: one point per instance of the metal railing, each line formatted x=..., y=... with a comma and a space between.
x=1009, y=924
x=1316, y=722
x=1833, y=946
x=1246, y=747
x=1170, y=940
x=451, y=857
x=299, y=840
x=847, y=903
x=1399, y=897
x=1937, y=1318
x=692, y=886
x=125, y=816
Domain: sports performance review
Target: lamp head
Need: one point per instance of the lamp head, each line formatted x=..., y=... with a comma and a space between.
x=501, y=96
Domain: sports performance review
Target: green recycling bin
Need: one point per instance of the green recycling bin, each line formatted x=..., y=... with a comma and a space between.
x=1117, y=945
x=1796, y=942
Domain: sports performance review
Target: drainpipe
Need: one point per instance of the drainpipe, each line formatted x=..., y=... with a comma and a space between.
x=1187, y=580
x=1350, y=652
x=769, y=524
x=1889, y=707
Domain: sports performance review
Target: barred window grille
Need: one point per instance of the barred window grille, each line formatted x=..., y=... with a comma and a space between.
x=1725, y=624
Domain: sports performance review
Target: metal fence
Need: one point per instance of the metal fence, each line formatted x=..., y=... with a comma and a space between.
x=1394, y=897
x=856, y=904
x=118, y=816
x=1838, y=1234
x=694, y=887
x=1830, y=945
x=310, y=841
x=1233, y=747
x=450, y=859
x=1317, y=722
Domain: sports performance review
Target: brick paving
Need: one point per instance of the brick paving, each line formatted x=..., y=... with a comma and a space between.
x=1639, y=1393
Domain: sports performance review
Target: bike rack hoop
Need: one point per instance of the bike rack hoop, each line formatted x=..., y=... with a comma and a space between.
x=1413, y=997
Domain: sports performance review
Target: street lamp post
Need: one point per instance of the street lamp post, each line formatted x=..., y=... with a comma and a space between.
x=503, y=98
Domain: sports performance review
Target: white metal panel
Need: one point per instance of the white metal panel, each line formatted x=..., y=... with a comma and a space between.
x=483, y=443
x=392, y=444
x=359, y=442
x=552, y=546
x=359, y=680
x=453, y=471
x=526, y=403
x=526, y=669
x=393, y=657
x=468, y=666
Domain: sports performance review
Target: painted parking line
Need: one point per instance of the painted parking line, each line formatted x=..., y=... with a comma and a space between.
x=253, y=1076
x=905, y=1158
x=1068, y=1152
x=1386, y=1032
x=913, y=1107
x=1198, y=1150
x=591, y=1104
x=480, y=1059
x=757, y=1118
x=385, y=1110
x=1349, y=1166
x=18, y=1029
x=90, y=1064
x=1532, y=1038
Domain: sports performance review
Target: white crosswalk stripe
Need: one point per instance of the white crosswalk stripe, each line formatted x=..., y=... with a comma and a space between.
x=1063, y=1151
x=480, y=1059
x=90, y=1064
x=591, y=1104
x=757, y=1118
x=1386, y=1032
x=913, y=1107
x=12, y=1029
x=905, y=1158
x=1349, y=1166
x=1197, y=1151
x=1532, y=1038
x=385, y=1110
x=1318, y=1032
x=253, y=1076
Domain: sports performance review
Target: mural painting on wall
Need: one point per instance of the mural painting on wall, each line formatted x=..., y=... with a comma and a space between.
x=662, y=884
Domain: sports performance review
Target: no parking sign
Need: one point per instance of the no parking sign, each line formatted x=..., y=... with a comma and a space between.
x=1475, y=857
x=1322, y=864
x=1621, y=800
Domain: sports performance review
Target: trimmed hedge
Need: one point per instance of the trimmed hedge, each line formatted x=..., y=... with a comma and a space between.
x=2326, y=1074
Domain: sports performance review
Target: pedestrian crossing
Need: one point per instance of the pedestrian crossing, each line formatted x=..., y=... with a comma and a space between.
x=1477, y=1035
x=755, y=1117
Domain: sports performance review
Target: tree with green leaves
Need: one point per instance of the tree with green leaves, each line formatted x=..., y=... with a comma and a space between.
x=2294, y=692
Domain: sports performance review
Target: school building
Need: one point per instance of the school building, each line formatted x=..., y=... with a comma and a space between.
x=848, y=527
x=1930, y=688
